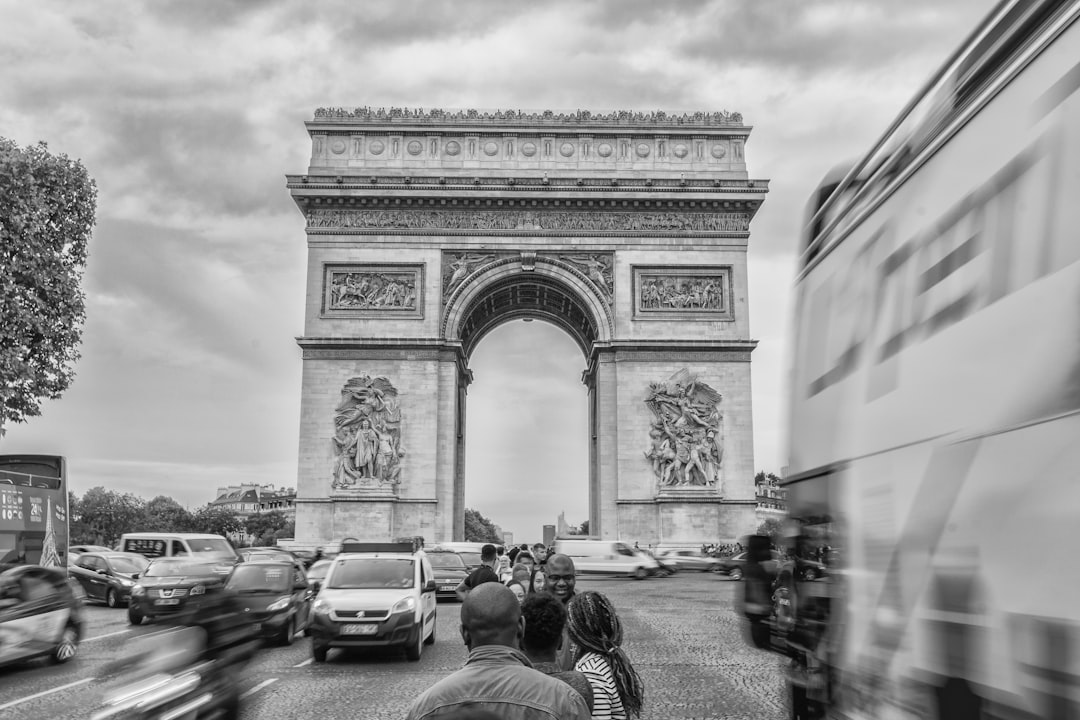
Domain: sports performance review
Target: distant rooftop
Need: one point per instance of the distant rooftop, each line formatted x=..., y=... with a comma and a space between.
x=436, y=116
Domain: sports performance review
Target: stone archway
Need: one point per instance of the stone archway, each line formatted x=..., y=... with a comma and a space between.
x=427, y=230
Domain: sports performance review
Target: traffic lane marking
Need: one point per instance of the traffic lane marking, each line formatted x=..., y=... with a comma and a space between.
x=43, y=693
x=106, y=635
x=306, y=662
x=253, y=690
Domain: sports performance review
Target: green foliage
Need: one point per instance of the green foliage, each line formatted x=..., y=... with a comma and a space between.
x=263, y=526
x=582, y=529
x=101, y=516
x=163, y=514
x=478, y=528
x=47, y=207
x=772, y=528
x=217, y=521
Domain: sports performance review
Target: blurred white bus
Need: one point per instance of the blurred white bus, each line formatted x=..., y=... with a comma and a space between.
x=935, y=396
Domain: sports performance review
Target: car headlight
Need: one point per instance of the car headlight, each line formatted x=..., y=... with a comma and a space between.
x=321, y=607
x=406, y=604
x=280, y=604
x=198, y=590
x=126, y=582
x=138, y=590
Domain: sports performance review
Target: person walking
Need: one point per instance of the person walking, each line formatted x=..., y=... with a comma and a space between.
x=483, y=574
x=498, y=677
x=618, y=693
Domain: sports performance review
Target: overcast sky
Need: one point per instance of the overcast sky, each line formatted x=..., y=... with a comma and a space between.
x=188, y=115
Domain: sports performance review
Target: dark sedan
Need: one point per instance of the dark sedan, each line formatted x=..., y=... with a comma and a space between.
x=806, y=569
x=108, y=577
x=449, y=569
x=174, y=586
x=275, y=596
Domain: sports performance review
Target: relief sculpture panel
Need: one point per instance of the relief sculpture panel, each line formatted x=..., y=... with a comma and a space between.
x=674, y=292
x=373, y=290
x=686, y=436
x=594, y=267
x=367, y=436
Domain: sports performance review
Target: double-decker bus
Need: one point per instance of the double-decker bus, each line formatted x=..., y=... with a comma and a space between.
x=33, y=510
x=934, y=439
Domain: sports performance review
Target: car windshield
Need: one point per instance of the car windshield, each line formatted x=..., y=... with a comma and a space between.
x=318, y=570
x=259, y=577
x=128, y=564
x=219, y=546
x=470, y=558
x=264, y=555
x=447, y=561
x=177, y=568
x=371, y=573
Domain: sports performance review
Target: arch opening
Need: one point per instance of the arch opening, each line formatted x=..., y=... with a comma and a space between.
x=527, y=296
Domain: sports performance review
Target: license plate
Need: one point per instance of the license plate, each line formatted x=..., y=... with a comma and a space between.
x=167, y=601
x=447, y=588
x=367, y=629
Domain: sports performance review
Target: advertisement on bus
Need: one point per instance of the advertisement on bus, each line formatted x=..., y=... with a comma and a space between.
x=33, y=510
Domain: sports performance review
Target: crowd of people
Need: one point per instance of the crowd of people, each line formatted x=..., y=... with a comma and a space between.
x=538, y=649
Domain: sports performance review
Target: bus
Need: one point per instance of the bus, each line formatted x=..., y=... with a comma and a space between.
x=934, y=400
x=33, y=510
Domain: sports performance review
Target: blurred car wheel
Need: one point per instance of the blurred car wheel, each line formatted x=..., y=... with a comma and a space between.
x=67, y=647
x=134, y=617
x=112, y=599
x=735, y=573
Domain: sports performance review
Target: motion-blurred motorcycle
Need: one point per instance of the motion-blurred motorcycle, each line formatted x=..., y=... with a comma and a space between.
x=187, y=672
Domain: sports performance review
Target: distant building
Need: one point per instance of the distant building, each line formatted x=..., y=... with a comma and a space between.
x=508, y=539
x=771, y=498
x=549, y=535
x=250, y=499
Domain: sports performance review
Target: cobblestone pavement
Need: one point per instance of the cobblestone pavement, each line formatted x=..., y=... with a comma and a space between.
x=681, y=632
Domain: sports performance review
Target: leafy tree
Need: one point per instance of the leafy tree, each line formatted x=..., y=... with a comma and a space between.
x=163, y=514
x=47, y=207
x=262, y=526
x=583, y=529
x=478, y=528
x=772, y=528
x=217, y=521
x=104, y=515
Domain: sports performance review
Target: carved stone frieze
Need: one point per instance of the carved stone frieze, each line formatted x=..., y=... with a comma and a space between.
x=686, y=436
x=372, y=290
x=546, y=117
x=594, y=268
x=682, y=292
x=659, y=222
x=367, y=437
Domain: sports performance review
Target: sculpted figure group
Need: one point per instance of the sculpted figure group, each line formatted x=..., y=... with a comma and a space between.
x=677, y=293
x=367, y=438
x=686, y=436
x=359, y=290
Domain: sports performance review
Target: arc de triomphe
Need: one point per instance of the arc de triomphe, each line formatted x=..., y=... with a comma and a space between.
x=426, y=230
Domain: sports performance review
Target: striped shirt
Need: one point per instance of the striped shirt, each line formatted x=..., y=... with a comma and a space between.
x=606, y=702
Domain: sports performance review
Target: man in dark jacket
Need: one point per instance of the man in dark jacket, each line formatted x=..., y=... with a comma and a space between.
x=485, y=573
x=497, y=677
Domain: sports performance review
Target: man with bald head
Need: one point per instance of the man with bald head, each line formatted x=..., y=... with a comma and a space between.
x=497, y=676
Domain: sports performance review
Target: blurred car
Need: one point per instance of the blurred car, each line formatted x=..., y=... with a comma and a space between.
x=275, y=595
x=806, y=569
x=174, y=586
x=448, y=569
x=76, y=550
x=305, y=556
x=40, y=615
x=265, y=553
x=108, y=576
x=688, y=560
x=316, y=574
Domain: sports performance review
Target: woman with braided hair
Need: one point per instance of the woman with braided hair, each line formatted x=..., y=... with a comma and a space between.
x=596, y=631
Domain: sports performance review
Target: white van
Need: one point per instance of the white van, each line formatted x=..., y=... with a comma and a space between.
x=607, y=557
x=375, y=595
x=194, y=545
